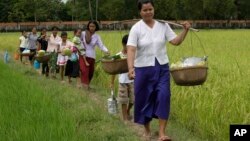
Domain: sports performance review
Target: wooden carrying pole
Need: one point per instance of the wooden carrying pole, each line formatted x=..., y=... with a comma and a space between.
x=179, y=25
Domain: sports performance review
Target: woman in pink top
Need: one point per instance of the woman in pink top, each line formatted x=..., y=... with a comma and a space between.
x=89, y=40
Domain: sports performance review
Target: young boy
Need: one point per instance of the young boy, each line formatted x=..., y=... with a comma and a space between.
x=126, y=87
x=72, y=66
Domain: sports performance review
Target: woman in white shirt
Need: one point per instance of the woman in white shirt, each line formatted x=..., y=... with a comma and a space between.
x=89, y=40
x=23, y=44
x=148, y=64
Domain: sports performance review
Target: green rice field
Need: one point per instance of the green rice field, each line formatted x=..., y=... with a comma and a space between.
x=206, y=111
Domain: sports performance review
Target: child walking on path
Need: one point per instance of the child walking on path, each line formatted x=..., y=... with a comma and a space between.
x=43, y=45
x=23, y=44
x=126, y=87
x=61, y=58
x=72, y=66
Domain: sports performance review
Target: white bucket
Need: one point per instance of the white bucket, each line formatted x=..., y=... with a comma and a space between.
x=112, y=104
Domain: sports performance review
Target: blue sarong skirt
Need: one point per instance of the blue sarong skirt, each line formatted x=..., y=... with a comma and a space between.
x=152, y=93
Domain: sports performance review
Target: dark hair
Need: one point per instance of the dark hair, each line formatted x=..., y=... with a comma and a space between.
x=43, y=29
x=77, y=30
x=54, y=28
x=96, y=25
x=125, y=39
x=64, y=33
x=141, y=2
x=34, y=28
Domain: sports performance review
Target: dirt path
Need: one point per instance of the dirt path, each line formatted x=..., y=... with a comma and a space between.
x=137, y=129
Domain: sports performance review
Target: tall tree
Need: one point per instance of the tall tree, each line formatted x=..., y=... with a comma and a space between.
x=243, y=10
x=218, y=9
x=193, y=9
x=6, y=7
x=164, y=9
x=78, y=10
x=111, y=9
x=129, y=10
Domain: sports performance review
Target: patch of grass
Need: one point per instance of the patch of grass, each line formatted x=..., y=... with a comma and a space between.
x=36, y=108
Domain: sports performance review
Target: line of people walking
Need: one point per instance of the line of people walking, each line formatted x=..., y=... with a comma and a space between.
x=80, y=64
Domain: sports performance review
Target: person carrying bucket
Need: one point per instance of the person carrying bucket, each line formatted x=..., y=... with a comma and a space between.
x=126, y=87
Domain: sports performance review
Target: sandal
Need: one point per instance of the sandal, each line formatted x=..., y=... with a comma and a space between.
x=164, y=138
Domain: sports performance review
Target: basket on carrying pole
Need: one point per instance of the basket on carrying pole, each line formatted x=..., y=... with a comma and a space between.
x=189, y=76
x=190, y=71
x=113, y=67
x=27, y=54
x=43, y=59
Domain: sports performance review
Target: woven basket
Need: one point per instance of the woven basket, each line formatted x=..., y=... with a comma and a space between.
x=27, y=54
x=115, y=66
x=43, y=59
x=189, y=76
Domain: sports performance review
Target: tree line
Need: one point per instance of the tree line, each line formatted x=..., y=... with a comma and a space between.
x=80, y=10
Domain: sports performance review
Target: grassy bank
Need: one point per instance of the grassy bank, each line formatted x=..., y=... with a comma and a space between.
x=36, y=108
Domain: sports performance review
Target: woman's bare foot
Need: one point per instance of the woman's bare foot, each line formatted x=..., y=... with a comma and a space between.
x=164, y=138
x=147, y=132
x=79, y=86
x=85, y=86
x=147, y=136
x=129, y=117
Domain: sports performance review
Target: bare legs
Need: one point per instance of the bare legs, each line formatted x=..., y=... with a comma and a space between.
x=147, y=129
x=62, y=73
x=162, y=127
x=126, y=111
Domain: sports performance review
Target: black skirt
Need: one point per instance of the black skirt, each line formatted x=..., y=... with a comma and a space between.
x=72, y=68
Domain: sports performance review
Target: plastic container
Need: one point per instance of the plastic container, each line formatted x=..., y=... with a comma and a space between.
x=36, y=64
